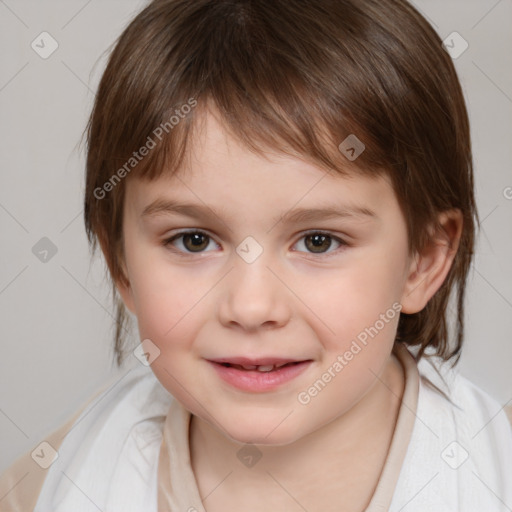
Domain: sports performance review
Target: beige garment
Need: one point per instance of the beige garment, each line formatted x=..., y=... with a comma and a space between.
x=21, y=483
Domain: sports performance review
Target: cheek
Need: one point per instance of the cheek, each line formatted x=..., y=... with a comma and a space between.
x=348, y=301
x=164, y=299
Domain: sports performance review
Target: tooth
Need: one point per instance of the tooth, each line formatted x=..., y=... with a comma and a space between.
x=267, y=368
x=250, y=367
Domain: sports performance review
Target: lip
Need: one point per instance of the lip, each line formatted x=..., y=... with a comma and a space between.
x=255, y=381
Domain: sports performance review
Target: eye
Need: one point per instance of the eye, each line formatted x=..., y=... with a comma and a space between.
x=319, y=242
x=189, y=241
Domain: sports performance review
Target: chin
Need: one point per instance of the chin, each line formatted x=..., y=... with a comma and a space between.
x=265, y=433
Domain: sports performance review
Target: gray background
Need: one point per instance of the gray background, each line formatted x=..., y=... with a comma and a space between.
x=56, y=316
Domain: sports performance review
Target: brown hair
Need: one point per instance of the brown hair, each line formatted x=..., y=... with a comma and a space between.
x=298, y=77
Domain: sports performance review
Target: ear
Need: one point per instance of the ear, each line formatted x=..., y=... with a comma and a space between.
x=122, y=283
x=431, y=265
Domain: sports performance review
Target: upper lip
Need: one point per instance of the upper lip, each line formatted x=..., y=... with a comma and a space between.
x=260, y=361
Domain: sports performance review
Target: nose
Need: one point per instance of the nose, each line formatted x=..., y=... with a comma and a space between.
x=254, y=296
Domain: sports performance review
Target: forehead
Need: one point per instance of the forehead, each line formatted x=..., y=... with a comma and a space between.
x=221, y=172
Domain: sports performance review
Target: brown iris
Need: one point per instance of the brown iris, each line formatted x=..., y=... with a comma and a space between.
x=195, y=242
x=319, y=242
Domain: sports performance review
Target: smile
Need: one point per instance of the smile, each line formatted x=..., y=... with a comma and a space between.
x=259, y=377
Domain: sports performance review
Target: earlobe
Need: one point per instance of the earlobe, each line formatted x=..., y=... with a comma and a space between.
x=431, y=265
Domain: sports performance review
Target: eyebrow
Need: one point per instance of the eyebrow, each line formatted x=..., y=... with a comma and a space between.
x=161, y=207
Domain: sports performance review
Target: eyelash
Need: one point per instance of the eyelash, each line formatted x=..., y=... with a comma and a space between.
x=168, y=242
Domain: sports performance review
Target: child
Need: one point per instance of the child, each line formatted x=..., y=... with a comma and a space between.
x=283, y=193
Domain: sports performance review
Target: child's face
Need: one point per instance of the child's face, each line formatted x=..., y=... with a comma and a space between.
x=299, y=300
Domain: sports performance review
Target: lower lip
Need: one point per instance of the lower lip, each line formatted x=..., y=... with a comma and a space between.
x=253, y=380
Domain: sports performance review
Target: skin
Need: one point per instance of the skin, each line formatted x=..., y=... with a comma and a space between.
x=289, y=302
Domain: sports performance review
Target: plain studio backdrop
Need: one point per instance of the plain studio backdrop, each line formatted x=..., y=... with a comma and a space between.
x=56, y=314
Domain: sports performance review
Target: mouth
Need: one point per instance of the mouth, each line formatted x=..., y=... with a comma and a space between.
x=258, y=375
x=259, y=367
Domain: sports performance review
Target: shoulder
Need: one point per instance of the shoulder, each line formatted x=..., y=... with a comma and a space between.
x=22, y=482
x=479, y=418
x=474, y=401
x=466, y=396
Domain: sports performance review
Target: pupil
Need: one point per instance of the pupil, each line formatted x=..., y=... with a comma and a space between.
x=198, y=240
x=318, y=242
